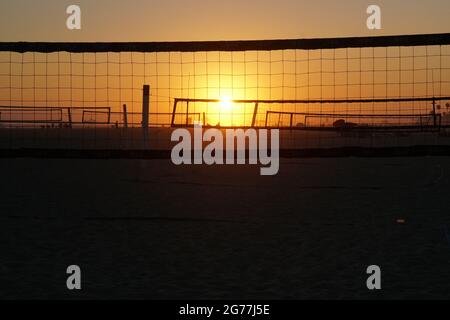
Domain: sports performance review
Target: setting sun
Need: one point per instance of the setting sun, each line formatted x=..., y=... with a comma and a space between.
x=226, y=104
x=223, y=113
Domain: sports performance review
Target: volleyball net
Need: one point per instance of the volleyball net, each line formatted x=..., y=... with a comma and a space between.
x=369, y=83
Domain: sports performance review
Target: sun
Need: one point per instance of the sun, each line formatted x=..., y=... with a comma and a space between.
x=226, y=104
x=225, y=113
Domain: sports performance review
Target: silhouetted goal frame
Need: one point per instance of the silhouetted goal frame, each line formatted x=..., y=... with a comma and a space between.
x=421, y=125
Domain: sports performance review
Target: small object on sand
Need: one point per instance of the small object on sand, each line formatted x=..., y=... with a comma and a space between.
x=344, y=124
x=401, y=221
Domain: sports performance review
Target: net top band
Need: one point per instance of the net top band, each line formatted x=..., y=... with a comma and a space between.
x=230, y=46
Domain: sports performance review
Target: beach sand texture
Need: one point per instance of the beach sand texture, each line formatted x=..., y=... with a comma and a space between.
x=149, y=229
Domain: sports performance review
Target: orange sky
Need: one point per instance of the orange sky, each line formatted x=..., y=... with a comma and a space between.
x=163, y=20
x=98, y=81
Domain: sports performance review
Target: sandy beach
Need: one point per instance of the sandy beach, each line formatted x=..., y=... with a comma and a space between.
x=148, y=229
x=160, y=139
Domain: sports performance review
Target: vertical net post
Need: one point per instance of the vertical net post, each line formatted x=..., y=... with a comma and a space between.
x=175, y=103
x=434, y=113
x=255, y=113
x=145, y=106
x=69, y=114
x=125, y=116
x=187, y=113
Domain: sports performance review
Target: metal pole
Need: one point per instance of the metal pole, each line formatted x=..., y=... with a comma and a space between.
x=125, y=116
x=175, y=103
x=255, y=112
x=145, y=106
x=69, y=113
x=109, y=115
x=187, y=114
x=434, y=112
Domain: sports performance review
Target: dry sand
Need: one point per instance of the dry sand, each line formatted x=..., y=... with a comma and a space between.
x=159, y=139
x=148, y=229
